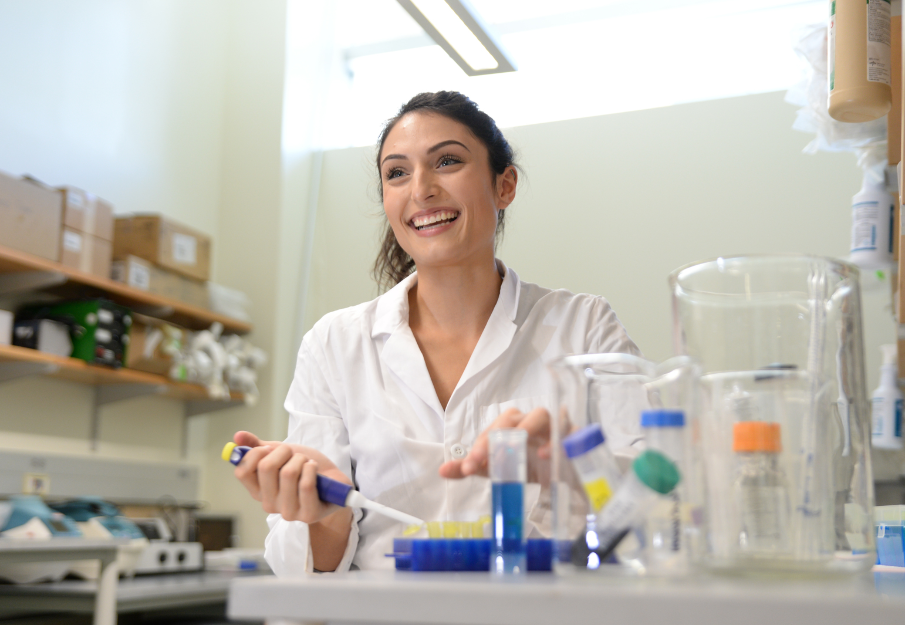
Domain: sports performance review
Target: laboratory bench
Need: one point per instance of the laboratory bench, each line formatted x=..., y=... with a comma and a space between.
x=405, y=597
x=146, y=593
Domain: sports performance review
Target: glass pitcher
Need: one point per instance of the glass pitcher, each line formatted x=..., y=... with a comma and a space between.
x=606, y=394
x=784, y=415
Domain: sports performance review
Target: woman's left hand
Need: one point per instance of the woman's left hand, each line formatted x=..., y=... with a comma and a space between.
x=536, y=423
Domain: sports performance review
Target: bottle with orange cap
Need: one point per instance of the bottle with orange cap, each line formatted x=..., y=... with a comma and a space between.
x=761, y=490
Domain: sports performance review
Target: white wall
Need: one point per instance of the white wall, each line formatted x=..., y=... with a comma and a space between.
x=172, y=107
x=612, y=204
x=124, y=99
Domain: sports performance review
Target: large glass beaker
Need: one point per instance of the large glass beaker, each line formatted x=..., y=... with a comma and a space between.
x=599, y=402
x=784, y=414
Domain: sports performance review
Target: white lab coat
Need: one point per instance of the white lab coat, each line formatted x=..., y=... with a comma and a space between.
x=362, y=395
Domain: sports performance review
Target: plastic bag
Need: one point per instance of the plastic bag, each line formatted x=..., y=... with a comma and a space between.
x=812, y=94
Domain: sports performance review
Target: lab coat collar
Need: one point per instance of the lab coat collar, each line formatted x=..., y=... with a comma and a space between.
x=401, y=352
x=393, y=306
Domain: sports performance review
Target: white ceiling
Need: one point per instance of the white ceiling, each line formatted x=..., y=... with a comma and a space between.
x=575, y=58
x=364, y=23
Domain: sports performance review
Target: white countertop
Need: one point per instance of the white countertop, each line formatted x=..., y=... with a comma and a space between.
x=165, y=590
x=12, y=550
x=548, y=599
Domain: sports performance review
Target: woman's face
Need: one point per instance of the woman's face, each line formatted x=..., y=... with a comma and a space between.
x=439, y=193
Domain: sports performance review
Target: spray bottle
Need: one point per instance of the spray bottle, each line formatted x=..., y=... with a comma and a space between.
x=886, y=404
x=873, y=211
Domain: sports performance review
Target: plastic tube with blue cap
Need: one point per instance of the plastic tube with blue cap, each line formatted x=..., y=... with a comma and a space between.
x=332, y=491
x=664, y=431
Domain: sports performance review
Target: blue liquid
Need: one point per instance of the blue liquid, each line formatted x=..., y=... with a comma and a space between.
x=508, y=531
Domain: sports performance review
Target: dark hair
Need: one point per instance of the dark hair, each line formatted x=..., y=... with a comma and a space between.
x=393, y=263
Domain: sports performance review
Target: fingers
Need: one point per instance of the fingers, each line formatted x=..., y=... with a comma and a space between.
x=311, y=508
x=475, y=463
x=536, y=422
x=298, y=499
x=284, y=480
x=287, y=494
x=269, y=468
x=250, y=440
x=247, y=470
x=452, y=470
x=246, y=438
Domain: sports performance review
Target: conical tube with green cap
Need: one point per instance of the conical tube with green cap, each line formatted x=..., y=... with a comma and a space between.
x=652, y=475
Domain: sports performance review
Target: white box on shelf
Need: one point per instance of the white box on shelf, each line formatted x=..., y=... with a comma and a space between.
x=6, y=327
x=229, y=302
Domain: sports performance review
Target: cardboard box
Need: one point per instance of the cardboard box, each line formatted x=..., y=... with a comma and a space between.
x=86, y=253
x=164, y=243
x=900, y=356
x=30, y=217
x=140, y=274
x=894, y=117
x=899, y=299
x=87, y=213
x=152, y=345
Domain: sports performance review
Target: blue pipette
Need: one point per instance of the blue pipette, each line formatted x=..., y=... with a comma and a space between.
x=331, y=491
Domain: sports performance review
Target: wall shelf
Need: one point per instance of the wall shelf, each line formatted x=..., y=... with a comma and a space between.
x=25, y=273
x=20, y=271
x=110, y=385
x=113, y=384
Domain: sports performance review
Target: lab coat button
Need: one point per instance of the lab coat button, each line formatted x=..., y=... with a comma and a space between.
x=458, y=451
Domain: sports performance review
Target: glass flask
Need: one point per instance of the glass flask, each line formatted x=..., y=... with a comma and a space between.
x=779, y=341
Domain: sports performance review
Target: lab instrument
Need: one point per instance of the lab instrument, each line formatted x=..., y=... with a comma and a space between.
x=99, y=328
x=332, y=491
x=508, y=473
x=44, y=335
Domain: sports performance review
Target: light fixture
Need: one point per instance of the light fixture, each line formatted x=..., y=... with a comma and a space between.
x=457, y=28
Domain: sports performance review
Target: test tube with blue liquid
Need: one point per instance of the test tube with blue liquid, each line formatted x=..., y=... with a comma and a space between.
x=508, y=473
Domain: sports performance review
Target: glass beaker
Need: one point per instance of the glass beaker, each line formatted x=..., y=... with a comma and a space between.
x=779, y=341
x=611, y=391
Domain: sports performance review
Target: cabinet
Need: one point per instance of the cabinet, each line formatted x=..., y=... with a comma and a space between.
x=22, y=273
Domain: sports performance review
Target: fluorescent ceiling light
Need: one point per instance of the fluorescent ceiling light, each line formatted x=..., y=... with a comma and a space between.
x=456, y=28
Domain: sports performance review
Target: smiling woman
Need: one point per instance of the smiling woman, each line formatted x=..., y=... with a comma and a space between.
x=473, y=142
x=396, y=395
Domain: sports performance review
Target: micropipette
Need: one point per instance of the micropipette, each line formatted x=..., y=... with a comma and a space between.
x=332, y=491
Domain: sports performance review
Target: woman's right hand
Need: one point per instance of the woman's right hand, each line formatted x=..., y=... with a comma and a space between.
x=282, y=476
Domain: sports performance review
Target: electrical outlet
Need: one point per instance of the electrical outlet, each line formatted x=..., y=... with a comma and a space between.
x=35, y=484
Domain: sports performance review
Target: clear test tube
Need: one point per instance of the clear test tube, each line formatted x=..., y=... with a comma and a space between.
x=508, y=473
